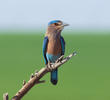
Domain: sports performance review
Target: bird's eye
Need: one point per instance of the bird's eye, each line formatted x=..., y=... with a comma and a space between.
x=56, y=24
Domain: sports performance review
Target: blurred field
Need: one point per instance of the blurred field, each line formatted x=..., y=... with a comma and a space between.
x=85, y=77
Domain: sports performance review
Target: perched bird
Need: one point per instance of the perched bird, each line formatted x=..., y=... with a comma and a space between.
x=53, y=45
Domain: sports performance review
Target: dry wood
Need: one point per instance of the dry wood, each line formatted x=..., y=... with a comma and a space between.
x=35, y=78
x=5, y=96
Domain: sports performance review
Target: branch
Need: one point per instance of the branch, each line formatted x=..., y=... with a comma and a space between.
x=5, y=96
x=35, y=79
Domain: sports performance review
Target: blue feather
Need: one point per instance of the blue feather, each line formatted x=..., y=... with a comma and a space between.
x=45, y=42
x=54, y=21
x=62, y=45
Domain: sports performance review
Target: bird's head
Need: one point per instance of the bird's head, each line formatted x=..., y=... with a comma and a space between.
x=56, y=26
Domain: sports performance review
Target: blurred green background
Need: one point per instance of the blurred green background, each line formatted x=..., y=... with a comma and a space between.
x=85, y=77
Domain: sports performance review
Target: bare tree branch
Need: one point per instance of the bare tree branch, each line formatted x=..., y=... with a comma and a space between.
x=35, y=78
x=5, y=96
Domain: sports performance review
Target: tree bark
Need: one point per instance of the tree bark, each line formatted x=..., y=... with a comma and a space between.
x=5, y=96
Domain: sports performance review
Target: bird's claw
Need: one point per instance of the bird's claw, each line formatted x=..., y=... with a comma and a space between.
x=59, y=59
x=50, y=66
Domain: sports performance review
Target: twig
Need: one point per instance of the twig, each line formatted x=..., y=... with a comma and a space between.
x=35, y=79
x=5, y=96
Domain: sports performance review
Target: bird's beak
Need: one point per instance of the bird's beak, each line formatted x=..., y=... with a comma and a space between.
x=65, y=24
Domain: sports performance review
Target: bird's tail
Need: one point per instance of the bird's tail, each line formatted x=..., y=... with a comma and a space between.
x=54, y=76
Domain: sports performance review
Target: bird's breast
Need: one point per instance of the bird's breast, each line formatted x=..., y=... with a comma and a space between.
x=54, y=46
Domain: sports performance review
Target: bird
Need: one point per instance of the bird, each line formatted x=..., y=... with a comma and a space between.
x=53, y=46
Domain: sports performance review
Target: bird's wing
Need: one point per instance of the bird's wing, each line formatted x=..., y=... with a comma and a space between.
x=62, y=45
x=45, y=42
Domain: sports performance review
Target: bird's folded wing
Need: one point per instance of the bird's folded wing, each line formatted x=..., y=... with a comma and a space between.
x=45, y=42
x=62, y=45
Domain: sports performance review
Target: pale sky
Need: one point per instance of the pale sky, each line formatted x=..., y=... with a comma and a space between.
x=32, y=14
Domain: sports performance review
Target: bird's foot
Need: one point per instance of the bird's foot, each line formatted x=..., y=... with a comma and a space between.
x=50, y=66
x=59, y=59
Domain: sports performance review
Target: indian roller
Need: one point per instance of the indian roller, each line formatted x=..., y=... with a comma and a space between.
x=53, y=46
